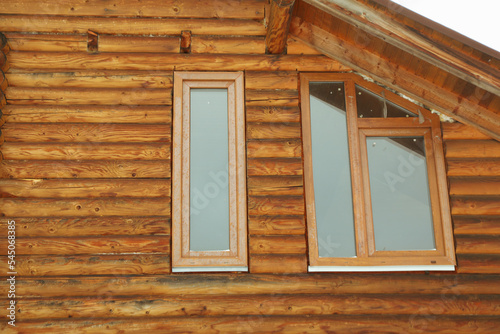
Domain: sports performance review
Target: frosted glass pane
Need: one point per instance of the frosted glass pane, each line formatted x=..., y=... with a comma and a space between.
x=331, y=174
x=209, y=194
x=401, y=207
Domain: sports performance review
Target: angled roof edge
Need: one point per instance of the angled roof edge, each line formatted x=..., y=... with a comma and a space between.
x=412, y=33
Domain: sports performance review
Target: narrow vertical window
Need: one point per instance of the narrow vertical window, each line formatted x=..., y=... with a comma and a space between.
x=208, y=174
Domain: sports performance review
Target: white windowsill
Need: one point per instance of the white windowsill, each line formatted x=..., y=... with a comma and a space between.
x=379, y=268
x=205, y=269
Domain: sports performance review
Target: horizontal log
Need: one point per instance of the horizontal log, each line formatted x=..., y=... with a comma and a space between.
x=109, y=43
x=91, y=79
x=87, y=114
x=276, y=225
x=252, y=9
x=272, y=114
x=271, y=97
x=273, y=130
x=67, y=188
x=278, y=264
x=169, y=62
x=45, y=42
x=274, y=185
x=89, y=245
x=130, y=26
x=474, y=186
x=276, y=305
x=478, y=264
x=463, y=225
x=473, y=167
x=454, y=131
x=271, y=80
x=73, y=96
x=472, y=149
x=90, y=132
x=475, y=206
x=287, y=166
x=449, y=285
x=89, y=151
x=87, y=226
x=253, y=324
x=228, y=45
x=85, y=207
x=276, y=205
x=478, y=244
x=274, y=149
x=286, y=244
x=79, y=265
x=85, y=169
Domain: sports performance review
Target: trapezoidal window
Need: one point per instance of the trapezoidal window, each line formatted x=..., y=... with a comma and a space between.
x=209, y=173
x=376, y=192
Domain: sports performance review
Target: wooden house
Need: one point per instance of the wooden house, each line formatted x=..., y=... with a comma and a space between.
x=97, y=168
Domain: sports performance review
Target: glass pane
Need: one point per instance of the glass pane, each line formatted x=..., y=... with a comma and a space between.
x=372, y=105
x=402, y=215
x=209, y=193
x=331, y=171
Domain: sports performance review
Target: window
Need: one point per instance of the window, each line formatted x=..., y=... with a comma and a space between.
x=208, y=173
x=375, y=182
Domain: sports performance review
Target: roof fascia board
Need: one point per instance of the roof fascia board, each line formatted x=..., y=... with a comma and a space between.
x=384, y=27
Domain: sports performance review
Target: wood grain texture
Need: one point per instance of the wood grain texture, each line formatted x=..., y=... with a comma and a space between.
x=274, y=149
x=83, y=265
x=478, y=244
x=271, y=80
x=277, y=245
x=276, y=225
x=475, y=186
x=472, y=149
x=454, y=131
x=274, y=166
x=88, y=226
x=87, y=151
x=279, y=25
x=464, y=225
x=478, y=264
x=475, y=206
x=273, y=114
x=253, y=9
x=473, y=167
x=274, y=185
x=85, y=188
x=272, y=97
x=75, y=96
x=88, y=132
x=278, y=264
x=273, y=130
x=407, y=284
x=85, y=207
x=275, y=205
x=168, y=62
x=91, y=79
x=252, y=324
x=228, y=45
x=87, y=114
x=130, y=26
x=88, y=245
x=85, y=169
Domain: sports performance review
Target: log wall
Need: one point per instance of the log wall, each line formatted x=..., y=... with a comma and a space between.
x=86, y=176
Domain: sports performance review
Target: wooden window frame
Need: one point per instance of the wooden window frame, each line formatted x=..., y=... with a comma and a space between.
x=184, y=259
x=427, y=125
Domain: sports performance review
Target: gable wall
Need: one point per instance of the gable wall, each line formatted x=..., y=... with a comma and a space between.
x=86, y=176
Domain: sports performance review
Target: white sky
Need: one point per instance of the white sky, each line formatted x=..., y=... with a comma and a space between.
x=476, y=19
